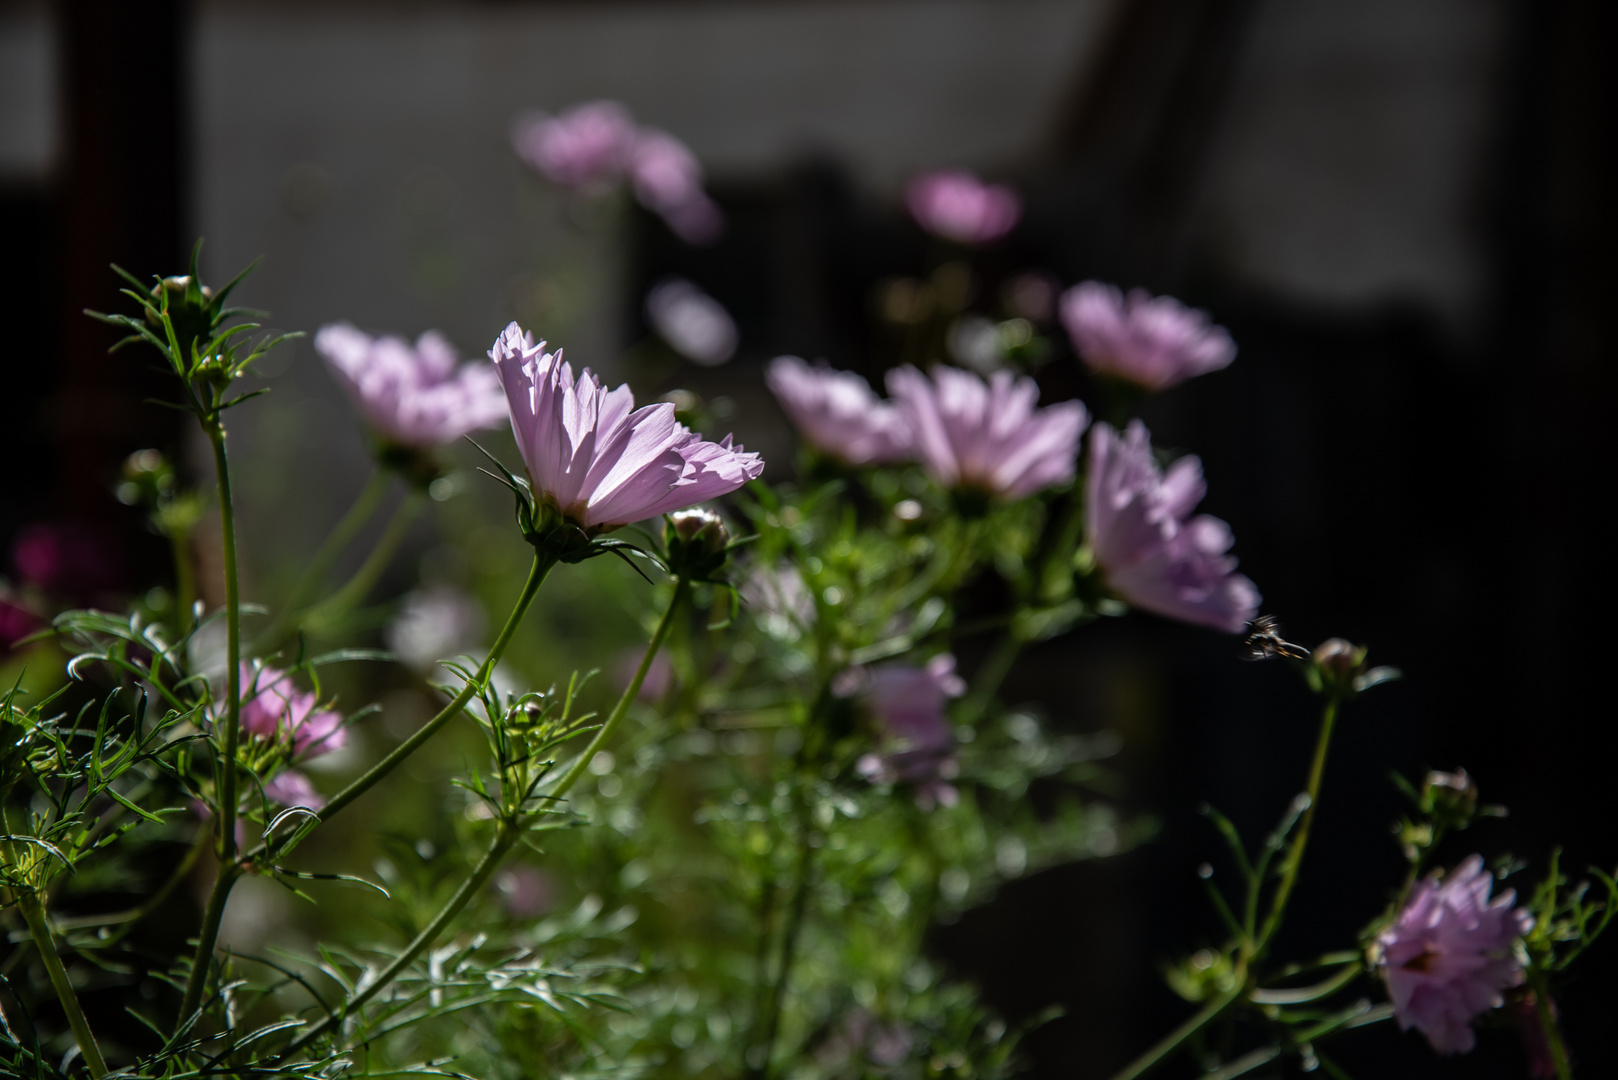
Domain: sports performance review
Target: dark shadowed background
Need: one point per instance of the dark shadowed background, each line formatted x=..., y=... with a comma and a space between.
x=1402, y=211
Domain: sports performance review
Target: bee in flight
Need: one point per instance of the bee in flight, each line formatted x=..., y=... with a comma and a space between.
x=1264, y=640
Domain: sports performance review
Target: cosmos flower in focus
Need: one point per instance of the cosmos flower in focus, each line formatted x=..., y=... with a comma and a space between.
x=693, y=323
x=1153, y=552
x=916, y=743
x=597, y=459
x=837, y=413
x=988, y=436
x=1449, y=955
x=415, y=397
x=1154, y=342
x=956, y=205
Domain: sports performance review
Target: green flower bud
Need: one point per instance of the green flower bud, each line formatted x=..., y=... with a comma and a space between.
x=697, y=544
x=190, y=309
x=1451, y=798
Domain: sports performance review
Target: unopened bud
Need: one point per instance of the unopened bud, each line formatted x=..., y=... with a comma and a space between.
x=189, y=309
x=1450, y=796
x=1336, y=663
x=697, y=543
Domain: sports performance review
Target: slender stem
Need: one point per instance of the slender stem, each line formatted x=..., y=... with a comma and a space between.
x=185, y=579
x=356, y=588
x=1300, y=839
x=536, y=575
x=1546, y=1015
x=990, y=674
x=759, y=1067
x=504, y=839
x=1171, y=1042
x=127, y=919
x=226, y=808
x=682, y=590
x=342, y=534
x=34, y=914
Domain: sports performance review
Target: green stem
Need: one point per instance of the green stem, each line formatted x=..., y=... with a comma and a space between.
x=127, y=919
x=365, y=505
x=990, y=674
x=504, y=839
x=536, y=575
x=682, y=590
x=1171, y=1042
x=185, y=579
x=1300, y=839
x=34, y=914
x=759, y=1066
x=1548, y=1024
x=226, y=808
x=356, y=588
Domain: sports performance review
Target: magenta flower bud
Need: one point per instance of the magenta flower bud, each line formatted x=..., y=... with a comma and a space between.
x=415, y=397
x=837, y=413
x=1154, y=342
x=1153, y=553
x=275, y=710
x=988, y=436
x=956, y=205
x=596, y=459
x=587, y=146
x=906, y=705
x=1449, y=955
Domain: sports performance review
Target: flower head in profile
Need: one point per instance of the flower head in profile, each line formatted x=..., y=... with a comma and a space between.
x=1152, y=341
x=1153, y=552
x=1449, y=955
x=667, y=179
x=693, y=323
x=416, y=397
x=587, y=146
x=275, y=710
x=595, y=458
x=988, y=436
x=916, y=744
x=837, y=413
x=956, y=205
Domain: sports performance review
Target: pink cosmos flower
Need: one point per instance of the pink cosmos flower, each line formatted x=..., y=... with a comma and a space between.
x=587, y=146
x=291, y=788
x=1448, y=956
x=906, y=702
x=837, y=413
x=1153, y=553
x=273, y=708
x=595, y=457
x=411, y=396
x=668, y=181
x=988, y=436
x=693, y=323
x=956, y=205
x=1154, y=342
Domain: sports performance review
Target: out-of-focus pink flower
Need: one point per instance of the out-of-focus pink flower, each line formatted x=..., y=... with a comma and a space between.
x=528, y=891
x=906, y=704
x=956, y=205
x=1153, y=552
x=693, y=323
x=667, y=179
x=595, y=457
x=659, y=675
x=16, y=623
x=988, y=436
x=432, y=625
x=587, y=146
x=273, y=708
x=65, y=559
x=860, y=1037
x=411, y=396
x=1153, y=342
x=291, y=788
x=1448, y=955
x=837, y=412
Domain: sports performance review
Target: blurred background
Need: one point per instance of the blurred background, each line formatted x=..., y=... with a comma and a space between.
x=1402, y=211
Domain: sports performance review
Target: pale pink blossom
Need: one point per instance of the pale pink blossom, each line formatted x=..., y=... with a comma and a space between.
x=837, y=413
x=916, y=743
x=956, y=205
x=1449, y=955
x=667, y=179
x=411, y=396
x=292, y=788
x=1153, y=553
x=587, y=146
x=275, y=710
x=1154, y=342
x=988, y=436
x=693, y=323
x=597, y=459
